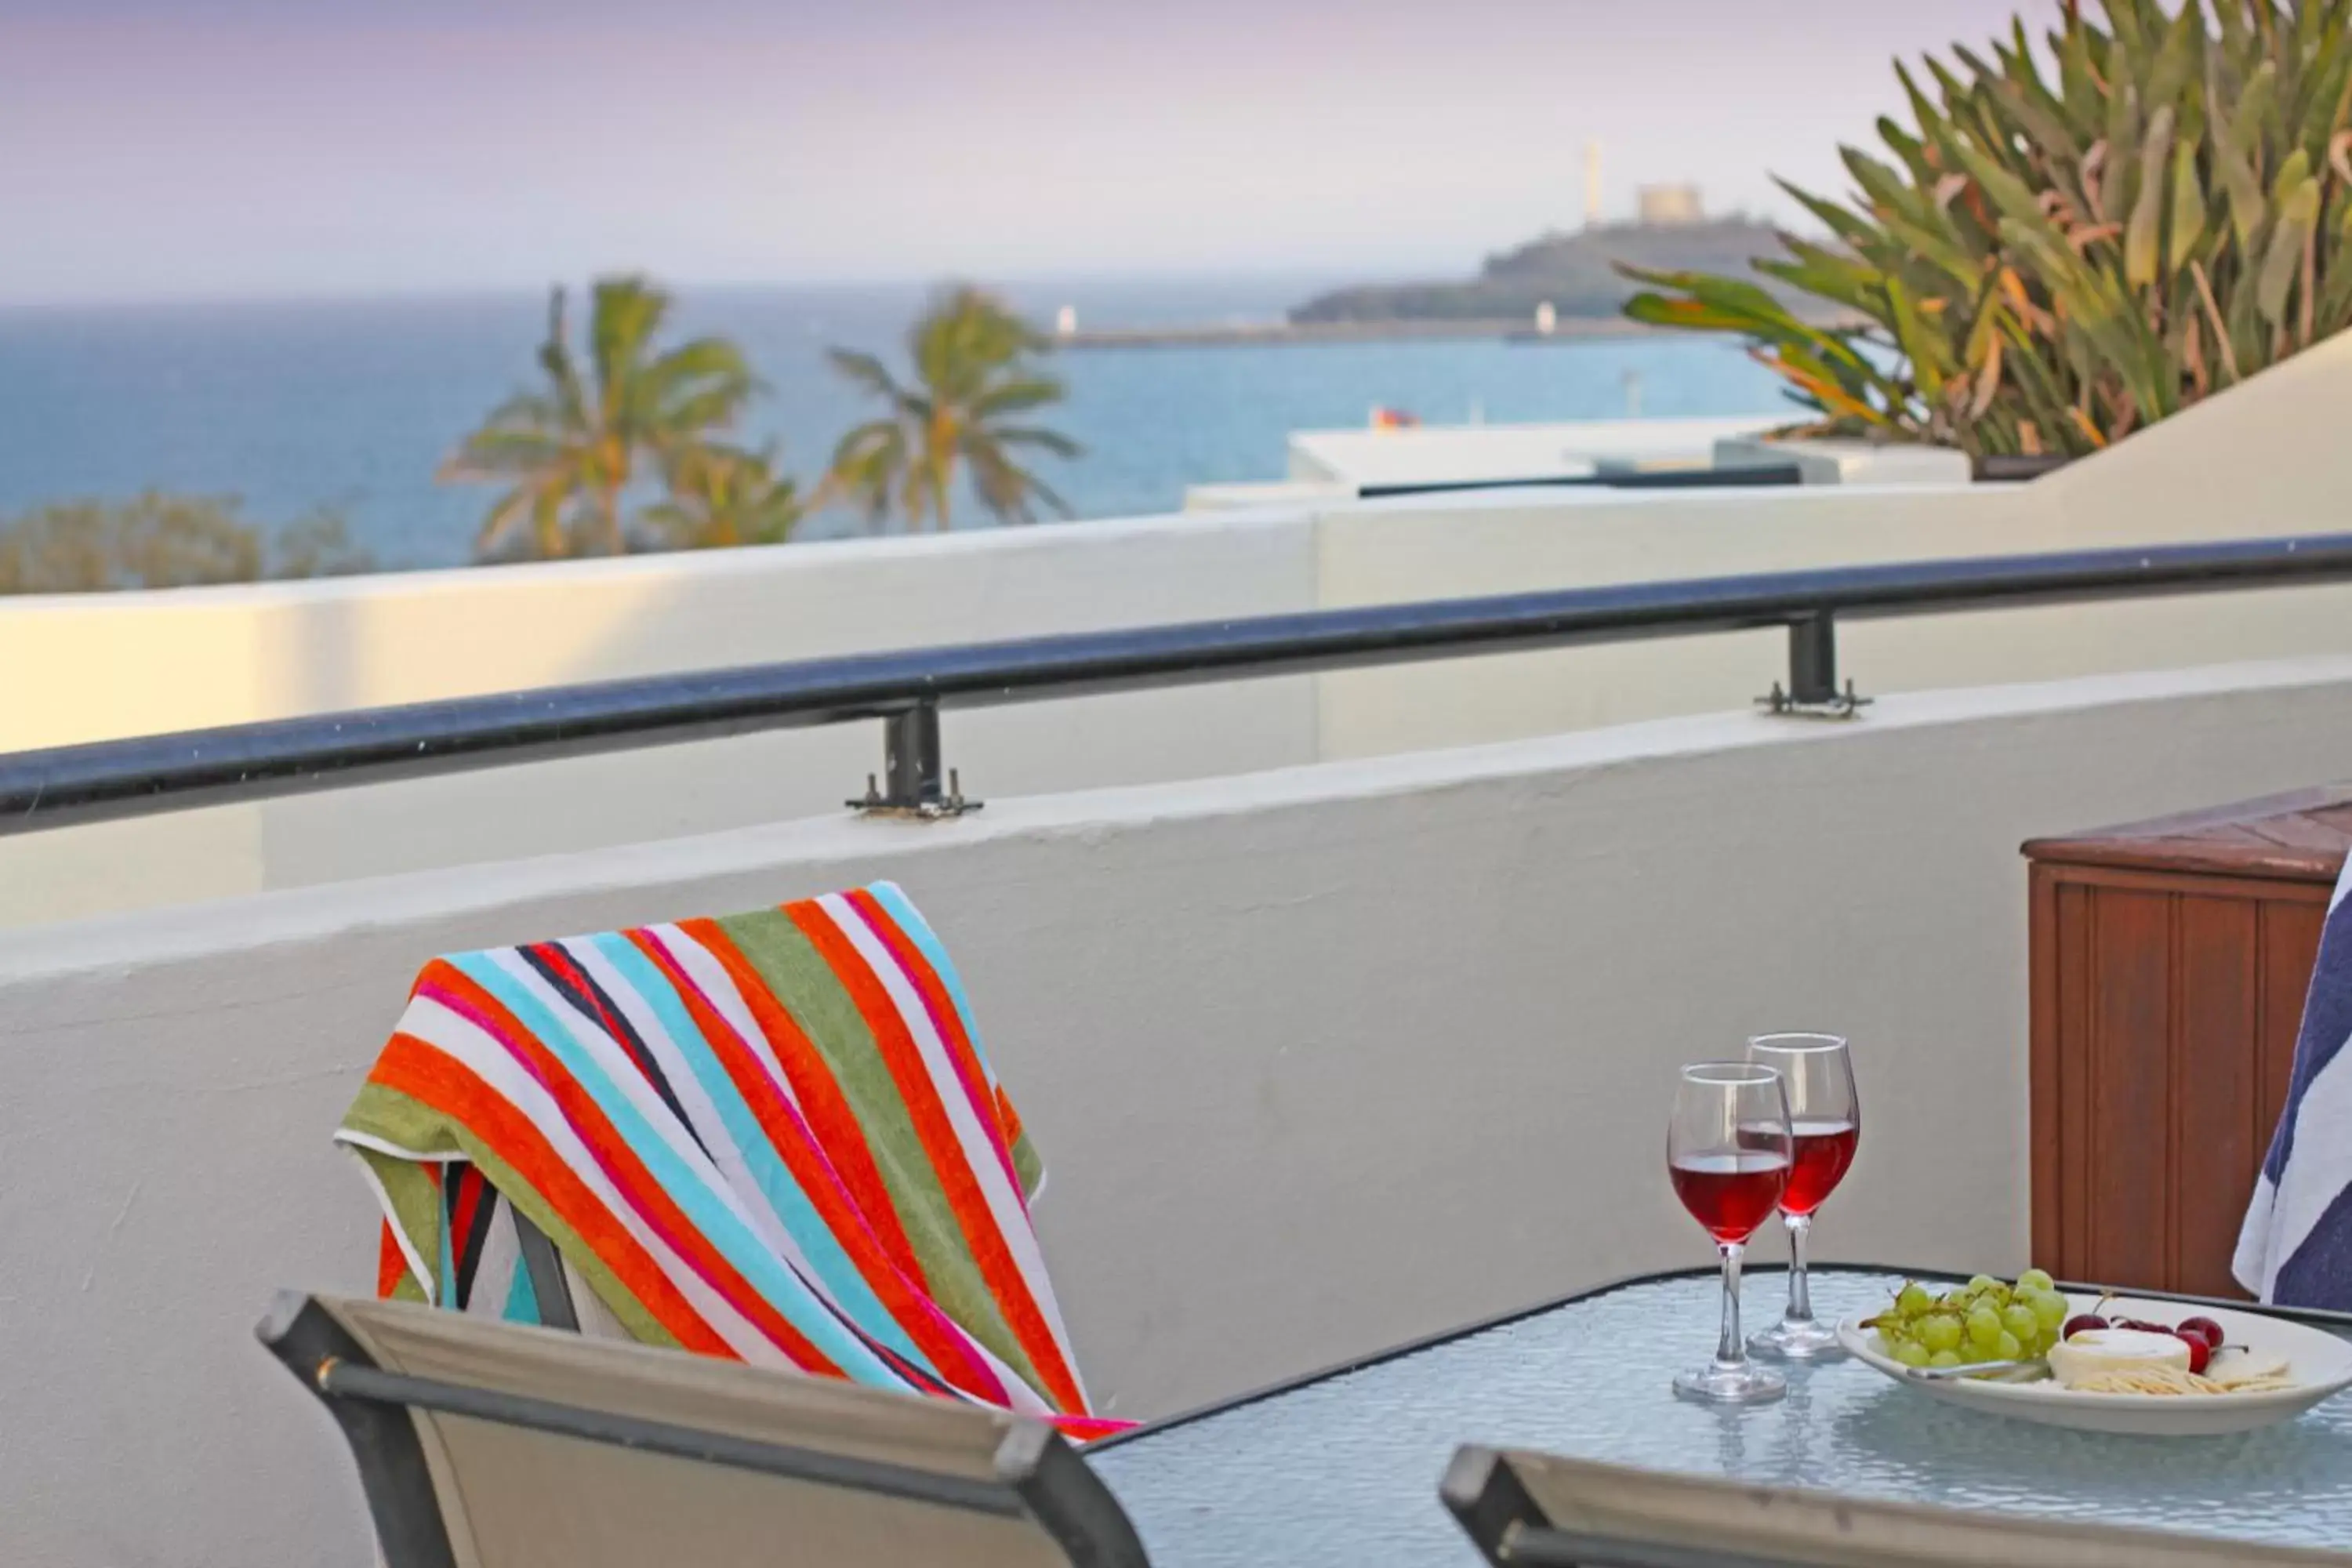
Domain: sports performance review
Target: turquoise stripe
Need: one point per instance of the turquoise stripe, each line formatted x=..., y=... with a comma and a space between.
x=927, y=942
x=786, y=1199
x=686, y=1187
x=522, y=1297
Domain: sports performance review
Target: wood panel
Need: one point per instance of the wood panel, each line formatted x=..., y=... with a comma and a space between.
x=2290, y=946
x=2131, y=999
x=2215, y=1132
x=2045, y=1135
x=2075, y=1078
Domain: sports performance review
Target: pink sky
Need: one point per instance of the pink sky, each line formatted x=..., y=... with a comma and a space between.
x=200, y=147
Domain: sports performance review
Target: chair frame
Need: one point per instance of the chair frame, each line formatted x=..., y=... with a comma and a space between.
x=1489, y=1497
x=1484, y=1495
x=1039, y=1476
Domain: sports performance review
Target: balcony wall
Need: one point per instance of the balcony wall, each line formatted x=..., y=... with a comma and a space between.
x=2261, y=460
x=1321, y=1058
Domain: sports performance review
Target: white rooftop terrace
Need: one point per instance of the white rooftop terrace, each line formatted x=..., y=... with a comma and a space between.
x=1321, y=1058
x=1344, y=1008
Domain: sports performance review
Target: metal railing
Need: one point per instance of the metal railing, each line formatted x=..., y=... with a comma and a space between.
x=909, y=690
x=1751, y=476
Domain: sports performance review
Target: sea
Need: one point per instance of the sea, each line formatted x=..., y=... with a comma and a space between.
x=353, y=403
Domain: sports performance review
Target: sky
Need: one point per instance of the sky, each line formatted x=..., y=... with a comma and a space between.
x=154, y=148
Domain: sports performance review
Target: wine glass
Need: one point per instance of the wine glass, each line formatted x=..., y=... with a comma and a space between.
x=1824, y=1127
x=1728, y=1153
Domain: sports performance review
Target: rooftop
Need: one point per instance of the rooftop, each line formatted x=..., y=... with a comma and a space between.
x=1344, y=1006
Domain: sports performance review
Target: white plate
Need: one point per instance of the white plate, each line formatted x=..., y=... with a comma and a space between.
x=2320, y=1364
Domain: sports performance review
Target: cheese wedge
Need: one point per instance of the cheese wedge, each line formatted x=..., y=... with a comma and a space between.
x=2094, y=1352
x=2234, y=1367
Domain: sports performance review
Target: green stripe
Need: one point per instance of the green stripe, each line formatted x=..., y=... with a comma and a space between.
x=408, y=1123
x=797, y=975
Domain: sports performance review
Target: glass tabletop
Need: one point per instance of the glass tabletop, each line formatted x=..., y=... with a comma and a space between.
x=1345, y=1468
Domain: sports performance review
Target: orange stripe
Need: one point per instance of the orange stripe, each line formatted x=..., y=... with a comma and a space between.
x=965, y=1200
x=854, y=1204
x=1012, y=1120
x=625, y=1171
x=391, y=1263
x=428, y=1076
x=1045, y=1350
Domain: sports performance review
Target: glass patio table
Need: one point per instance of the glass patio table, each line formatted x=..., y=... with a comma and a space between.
x=1343, y=1468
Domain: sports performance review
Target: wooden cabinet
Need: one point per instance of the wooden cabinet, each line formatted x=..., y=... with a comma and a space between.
x=2169, y=962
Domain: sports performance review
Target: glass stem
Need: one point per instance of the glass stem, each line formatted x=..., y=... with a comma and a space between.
x=1800, y=1296
x=1732, y=1352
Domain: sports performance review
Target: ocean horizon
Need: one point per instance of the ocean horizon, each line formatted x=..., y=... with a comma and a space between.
x=353, y=403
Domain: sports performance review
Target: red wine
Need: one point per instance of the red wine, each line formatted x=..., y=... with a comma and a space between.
x=1824, y=1150
x=1730, y=1194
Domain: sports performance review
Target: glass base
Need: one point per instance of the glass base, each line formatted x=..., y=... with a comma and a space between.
x=1797, y=1339
x=1720, y=1383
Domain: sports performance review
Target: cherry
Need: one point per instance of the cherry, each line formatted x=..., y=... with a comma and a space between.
x=2081, y=1323
x=2200, y=1353
x=2205, y=1328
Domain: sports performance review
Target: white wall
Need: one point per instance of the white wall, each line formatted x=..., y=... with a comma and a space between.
x=1321, y=1058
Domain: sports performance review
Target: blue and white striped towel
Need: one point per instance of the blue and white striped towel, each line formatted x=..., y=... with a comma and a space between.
x=2296, y=1246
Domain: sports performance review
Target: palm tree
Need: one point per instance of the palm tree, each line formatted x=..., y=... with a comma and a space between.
x=570, y=451
x=973, y=377
x=723, y=495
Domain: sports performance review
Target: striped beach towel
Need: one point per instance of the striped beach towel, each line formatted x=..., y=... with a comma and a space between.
x=773, y=1136
x=2296, y=1244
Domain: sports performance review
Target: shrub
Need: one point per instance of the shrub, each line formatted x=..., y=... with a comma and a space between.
x=2053, y=260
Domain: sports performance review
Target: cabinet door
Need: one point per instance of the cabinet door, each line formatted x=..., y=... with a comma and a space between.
x=2164, y=1010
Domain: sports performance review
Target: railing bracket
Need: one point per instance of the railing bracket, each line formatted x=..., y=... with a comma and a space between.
x=910, y=762
x=1846, y=704
x=1812, y=689
x=951, y=803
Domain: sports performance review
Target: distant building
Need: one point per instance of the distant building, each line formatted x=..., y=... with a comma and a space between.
x=1669, y=204
x=1066, y=320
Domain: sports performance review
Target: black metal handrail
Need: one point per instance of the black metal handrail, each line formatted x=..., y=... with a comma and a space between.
x=108, y=779
x=1736, y=475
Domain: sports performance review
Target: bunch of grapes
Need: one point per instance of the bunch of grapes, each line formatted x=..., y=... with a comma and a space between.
x=1983, y=1319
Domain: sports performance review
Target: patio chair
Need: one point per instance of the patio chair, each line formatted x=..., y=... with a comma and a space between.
x=487, y=1444
x=1534, y=1511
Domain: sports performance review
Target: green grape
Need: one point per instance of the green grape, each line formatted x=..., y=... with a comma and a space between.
x=2050, y=1309
x=2009, y=1347
x=2021, y=1320
x=1941, y=1332
x=1984, y=1282
x=1914, y=1300
x=1984, y=1328
x=1945, y=1358
x=1910, y=1353
x=2034, y=1280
